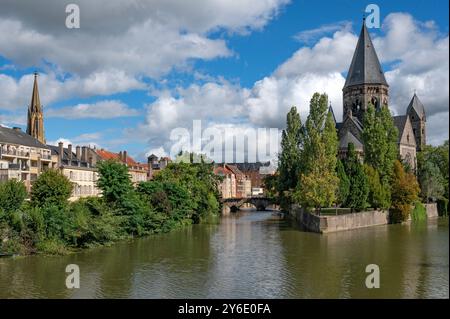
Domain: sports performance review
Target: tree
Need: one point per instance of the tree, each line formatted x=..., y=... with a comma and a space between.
x=51, y=188
x=289, y=158
x=380, y=141
x=379, y=194
x=344, y=183
x=12, y=195
x=318, y=177
x=114, y=180
x=359, y=186
x=405, y=191
x=432, y=172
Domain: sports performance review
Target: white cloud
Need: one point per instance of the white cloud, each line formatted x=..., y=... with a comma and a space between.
x=140, y=37
x=100, y=110
x=307, y=36
x=16, y=94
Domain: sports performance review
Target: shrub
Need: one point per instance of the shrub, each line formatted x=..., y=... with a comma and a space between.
x=12, y=195
x=419, y=212
x=51, y=189
x=405, y=191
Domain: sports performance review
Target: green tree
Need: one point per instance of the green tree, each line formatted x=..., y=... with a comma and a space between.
x=359, y=185
x=405, y=191
x=379, y=194
x=12, y=195
x=319, y=181
x=289, y=159
x=114, y=181
x=51, y=188
x=380, y=141
x=344, y=183
x=432, y=164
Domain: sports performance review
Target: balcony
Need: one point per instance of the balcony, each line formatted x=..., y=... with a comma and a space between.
x=15, y=153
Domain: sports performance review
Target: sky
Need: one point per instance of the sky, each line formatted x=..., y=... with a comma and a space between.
x=136, y=70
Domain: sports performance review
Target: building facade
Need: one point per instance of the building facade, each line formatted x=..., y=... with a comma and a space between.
x=78, y=168
x=23, y=157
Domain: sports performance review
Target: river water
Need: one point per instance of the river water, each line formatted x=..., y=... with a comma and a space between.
x=247, y=255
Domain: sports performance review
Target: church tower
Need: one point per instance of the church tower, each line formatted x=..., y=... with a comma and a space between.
x=365, y=81
x=416, y=114
x=35, y=123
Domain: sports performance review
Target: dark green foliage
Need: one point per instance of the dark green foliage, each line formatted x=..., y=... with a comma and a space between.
x=289, y=159
x=380, y=141
x=181, y=195
x=379, y=194
x=359, y=185
x=442, y=206
x=344, y=183
x=12, y=195
x=419, y=212
x=114, y=181
x=51, y=189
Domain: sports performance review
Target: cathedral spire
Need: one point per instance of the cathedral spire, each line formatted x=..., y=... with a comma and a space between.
x=35, y=123
x=365, y=67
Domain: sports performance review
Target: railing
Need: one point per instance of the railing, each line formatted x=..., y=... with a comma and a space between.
x=16, y=153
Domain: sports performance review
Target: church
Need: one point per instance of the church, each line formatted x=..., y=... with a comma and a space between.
x=366, y=83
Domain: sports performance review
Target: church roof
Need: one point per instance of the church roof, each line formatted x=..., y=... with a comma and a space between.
x=400, y=122
x=417, y=106
x=348, y=138
x=19, y=137
x=365, y=66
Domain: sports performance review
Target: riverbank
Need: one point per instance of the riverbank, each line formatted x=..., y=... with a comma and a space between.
x=348, y=221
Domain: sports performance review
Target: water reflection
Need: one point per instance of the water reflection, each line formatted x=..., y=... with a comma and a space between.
x=248, y=255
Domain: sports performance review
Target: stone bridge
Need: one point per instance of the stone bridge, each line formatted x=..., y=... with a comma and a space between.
x=234, y=204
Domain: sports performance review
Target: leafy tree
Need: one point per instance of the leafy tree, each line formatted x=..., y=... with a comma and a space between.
x=289, y=158
x=51, y=188
x=359, y=185
x=344, y=183
x=379, y=194
x=114, y=181
x=380, y=141
x=12, y=195
x=432, y=163
x=318, y=177
x=405, y=191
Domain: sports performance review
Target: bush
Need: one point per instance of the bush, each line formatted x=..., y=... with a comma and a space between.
x=51, y=189
x=12, y=195
x=419, y=212
x=442, y=206
x=405, y=191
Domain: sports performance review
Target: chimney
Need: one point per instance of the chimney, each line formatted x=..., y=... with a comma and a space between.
x=78, y=152
x=70, y=152
x=125, y=156
x=84, y=154
x=60, y=152
x=120, y=156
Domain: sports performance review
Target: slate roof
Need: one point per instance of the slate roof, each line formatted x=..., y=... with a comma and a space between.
x=365, y=66
x=12, y=136
x=400, y=122
x=417, y=106
x=350, y=138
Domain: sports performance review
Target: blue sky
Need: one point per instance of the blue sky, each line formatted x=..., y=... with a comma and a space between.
x=125, y=83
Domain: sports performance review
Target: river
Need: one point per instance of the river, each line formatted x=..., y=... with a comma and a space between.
x=247, y=255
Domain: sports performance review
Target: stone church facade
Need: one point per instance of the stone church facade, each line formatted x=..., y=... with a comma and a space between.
x=366, y=83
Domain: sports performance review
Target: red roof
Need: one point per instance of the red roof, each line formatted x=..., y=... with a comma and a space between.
x=106, y=155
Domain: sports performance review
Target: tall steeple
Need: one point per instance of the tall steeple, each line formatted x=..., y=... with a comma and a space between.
x=35, y=123
x=365, y=81
x=417, y=116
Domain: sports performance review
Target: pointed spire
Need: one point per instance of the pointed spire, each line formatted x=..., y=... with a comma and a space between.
x=330, y=109
x=365, y=67
x=35, y=105
x=417, y=106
